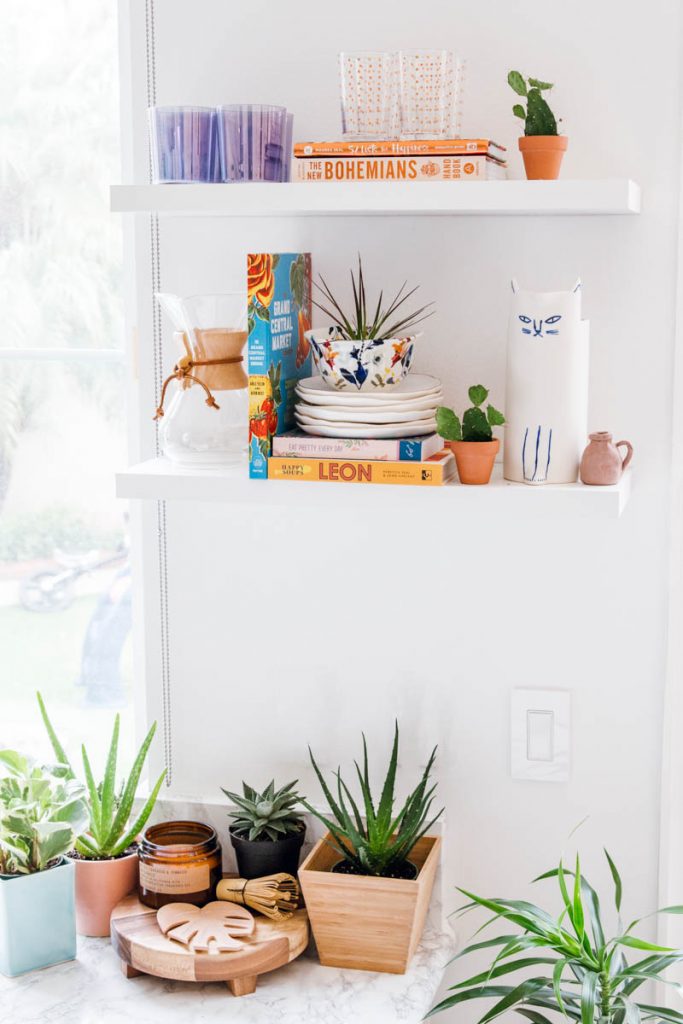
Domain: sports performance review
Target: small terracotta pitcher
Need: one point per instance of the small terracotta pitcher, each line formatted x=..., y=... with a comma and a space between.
x=601, y=462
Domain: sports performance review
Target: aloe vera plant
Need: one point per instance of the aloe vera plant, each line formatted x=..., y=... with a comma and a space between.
x=569, y=965
x=41, y=813
x=380, y=844
x=110, y=831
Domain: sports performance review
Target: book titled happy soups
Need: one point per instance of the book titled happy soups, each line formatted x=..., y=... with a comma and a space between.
x=278, y=352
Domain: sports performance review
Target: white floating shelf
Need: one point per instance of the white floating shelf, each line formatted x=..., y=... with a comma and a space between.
x=394, y=198
x=159, y=479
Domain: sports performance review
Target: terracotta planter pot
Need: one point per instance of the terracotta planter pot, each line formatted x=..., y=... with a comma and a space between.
x=475, y=459
x=364, y=922
x=100, y=885
x=542, y=155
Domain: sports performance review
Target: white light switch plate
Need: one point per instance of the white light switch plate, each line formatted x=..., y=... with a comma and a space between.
x=539, y=735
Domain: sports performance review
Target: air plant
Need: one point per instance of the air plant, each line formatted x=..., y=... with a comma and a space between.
x=569, y=966
x=364, y=323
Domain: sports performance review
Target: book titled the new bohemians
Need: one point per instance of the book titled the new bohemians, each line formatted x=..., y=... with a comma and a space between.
x=389, y=168
x=437, y=470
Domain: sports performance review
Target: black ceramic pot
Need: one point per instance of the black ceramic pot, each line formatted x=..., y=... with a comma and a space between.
x=259, y=857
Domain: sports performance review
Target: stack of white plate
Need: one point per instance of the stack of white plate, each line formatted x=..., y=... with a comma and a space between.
x=407, y=410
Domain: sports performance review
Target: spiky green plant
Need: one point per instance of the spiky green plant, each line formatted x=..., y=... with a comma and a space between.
x=364, y=324
x=380, y=844
x=569, y=966
x=266, y=815
x=538, y=117
x=476, y=424
x=41, y=813
x=110, y=832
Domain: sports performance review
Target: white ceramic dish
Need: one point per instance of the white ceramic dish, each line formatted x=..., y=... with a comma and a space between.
x=409, y=405
x=416, y=385
x=370, y=433
x=317, y=413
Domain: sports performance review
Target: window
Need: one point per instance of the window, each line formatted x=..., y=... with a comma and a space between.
x=64, y=568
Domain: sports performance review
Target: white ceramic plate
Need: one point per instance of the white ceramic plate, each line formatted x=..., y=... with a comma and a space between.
x=416, y=385
x=417, y=404
x=371, y=433
x=313, y=413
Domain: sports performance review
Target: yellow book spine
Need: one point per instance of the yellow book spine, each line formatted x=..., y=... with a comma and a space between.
x=424, y=474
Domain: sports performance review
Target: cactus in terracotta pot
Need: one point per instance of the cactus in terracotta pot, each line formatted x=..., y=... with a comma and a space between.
x=472, y=441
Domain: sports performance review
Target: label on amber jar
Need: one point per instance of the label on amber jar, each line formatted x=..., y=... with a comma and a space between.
x=177, y=879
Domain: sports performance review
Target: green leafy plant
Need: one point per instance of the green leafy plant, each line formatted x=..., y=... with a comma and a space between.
x=538, y=117
x=569, y=965
x=476, y=424
x=366, y=323
x=266, y=815
x=42, y=811
x=110, y=832
x=380, y=844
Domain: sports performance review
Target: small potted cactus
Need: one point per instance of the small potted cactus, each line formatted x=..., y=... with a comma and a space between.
x=541, y=146
x=41, y=813
x=472, y=441
x=267, y=833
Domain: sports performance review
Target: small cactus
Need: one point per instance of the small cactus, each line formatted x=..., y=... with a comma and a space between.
x=538, y=117
x=476, y=424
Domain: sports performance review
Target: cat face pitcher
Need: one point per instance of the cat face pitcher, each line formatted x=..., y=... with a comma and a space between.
x=547, y=386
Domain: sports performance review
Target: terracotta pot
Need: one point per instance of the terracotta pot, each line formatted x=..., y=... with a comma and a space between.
x=100, y=885
x=474, y=459
x=602, y=462
x=542, y=155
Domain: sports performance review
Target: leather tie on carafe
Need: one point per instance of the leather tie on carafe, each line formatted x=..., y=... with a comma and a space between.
x=182, y=372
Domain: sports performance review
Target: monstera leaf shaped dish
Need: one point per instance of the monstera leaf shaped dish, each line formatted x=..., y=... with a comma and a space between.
x=204, y=929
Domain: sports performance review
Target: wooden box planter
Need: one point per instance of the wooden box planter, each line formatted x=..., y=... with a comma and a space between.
x=365, y=922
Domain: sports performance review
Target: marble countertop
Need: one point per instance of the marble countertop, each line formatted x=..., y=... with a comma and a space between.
x=93, y=990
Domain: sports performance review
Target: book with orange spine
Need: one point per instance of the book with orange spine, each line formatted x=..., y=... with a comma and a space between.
x=401, y=147
x=434, y=472
x=394, y=168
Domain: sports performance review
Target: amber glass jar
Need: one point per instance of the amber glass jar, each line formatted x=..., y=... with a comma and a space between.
x=180, y=862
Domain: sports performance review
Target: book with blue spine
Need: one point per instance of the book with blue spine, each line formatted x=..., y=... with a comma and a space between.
x=297, y=444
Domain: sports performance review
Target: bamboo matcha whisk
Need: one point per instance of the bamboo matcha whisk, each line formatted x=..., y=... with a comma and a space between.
x=276, y=896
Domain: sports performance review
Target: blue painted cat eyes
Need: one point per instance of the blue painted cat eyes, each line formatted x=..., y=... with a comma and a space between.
x=525, y=319
x=539, y=324
x=553, y=319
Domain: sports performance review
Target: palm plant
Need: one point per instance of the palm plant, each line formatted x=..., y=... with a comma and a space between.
x=573, y=968
x=380, y=844
x=110, y=832
x=364, y=324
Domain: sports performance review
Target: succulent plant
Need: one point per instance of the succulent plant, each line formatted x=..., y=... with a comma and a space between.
x=42, y=811
x=364, y=324
x=110, y=831
x=476, y=424
x=538, y=117
x=381, y=844
x=267, y=815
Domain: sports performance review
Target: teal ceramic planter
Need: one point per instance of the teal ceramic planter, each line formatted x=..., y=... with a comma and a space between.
x=37, y=919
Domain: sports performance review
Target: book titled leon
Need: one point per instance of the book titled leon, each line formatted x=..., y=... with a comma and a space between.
x=437, y=470
x=399, y=168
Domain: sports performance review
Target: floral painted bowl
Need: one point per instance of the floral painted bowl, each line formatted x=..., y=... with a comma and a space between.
x=360, y=365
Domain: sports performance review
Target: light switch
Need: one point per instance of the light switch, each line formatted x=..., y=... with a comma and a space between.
x=539, y=735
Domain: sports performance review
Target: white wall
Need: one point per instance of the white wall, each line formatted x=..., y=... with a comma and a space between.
x=288, y=627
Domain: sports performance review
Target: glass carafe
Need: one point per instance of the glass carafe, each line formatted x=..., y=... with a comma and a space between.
x=206, y=422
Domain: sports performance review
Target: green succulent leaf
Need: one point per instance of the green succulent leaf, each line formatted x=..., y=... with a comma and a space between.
x=478, y=394
x=517, y=83
x=475, y=425
x=447, y=424
x=269, y=815
x=519, y=111
x=536, y=83
x=495, y=418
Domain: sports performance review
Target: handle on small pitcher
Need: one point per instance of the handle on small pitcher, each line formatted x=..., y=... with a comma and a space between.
x=629, y=454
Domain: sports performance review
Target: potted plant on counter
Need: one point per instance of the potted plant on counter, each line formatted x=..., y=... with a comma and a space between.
x=542, y=148
x=41, y=812
x=568, y=964
x=267, y=833
x=472, y=441
x=105, y=854
x=367, y=348
x=368, y=882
